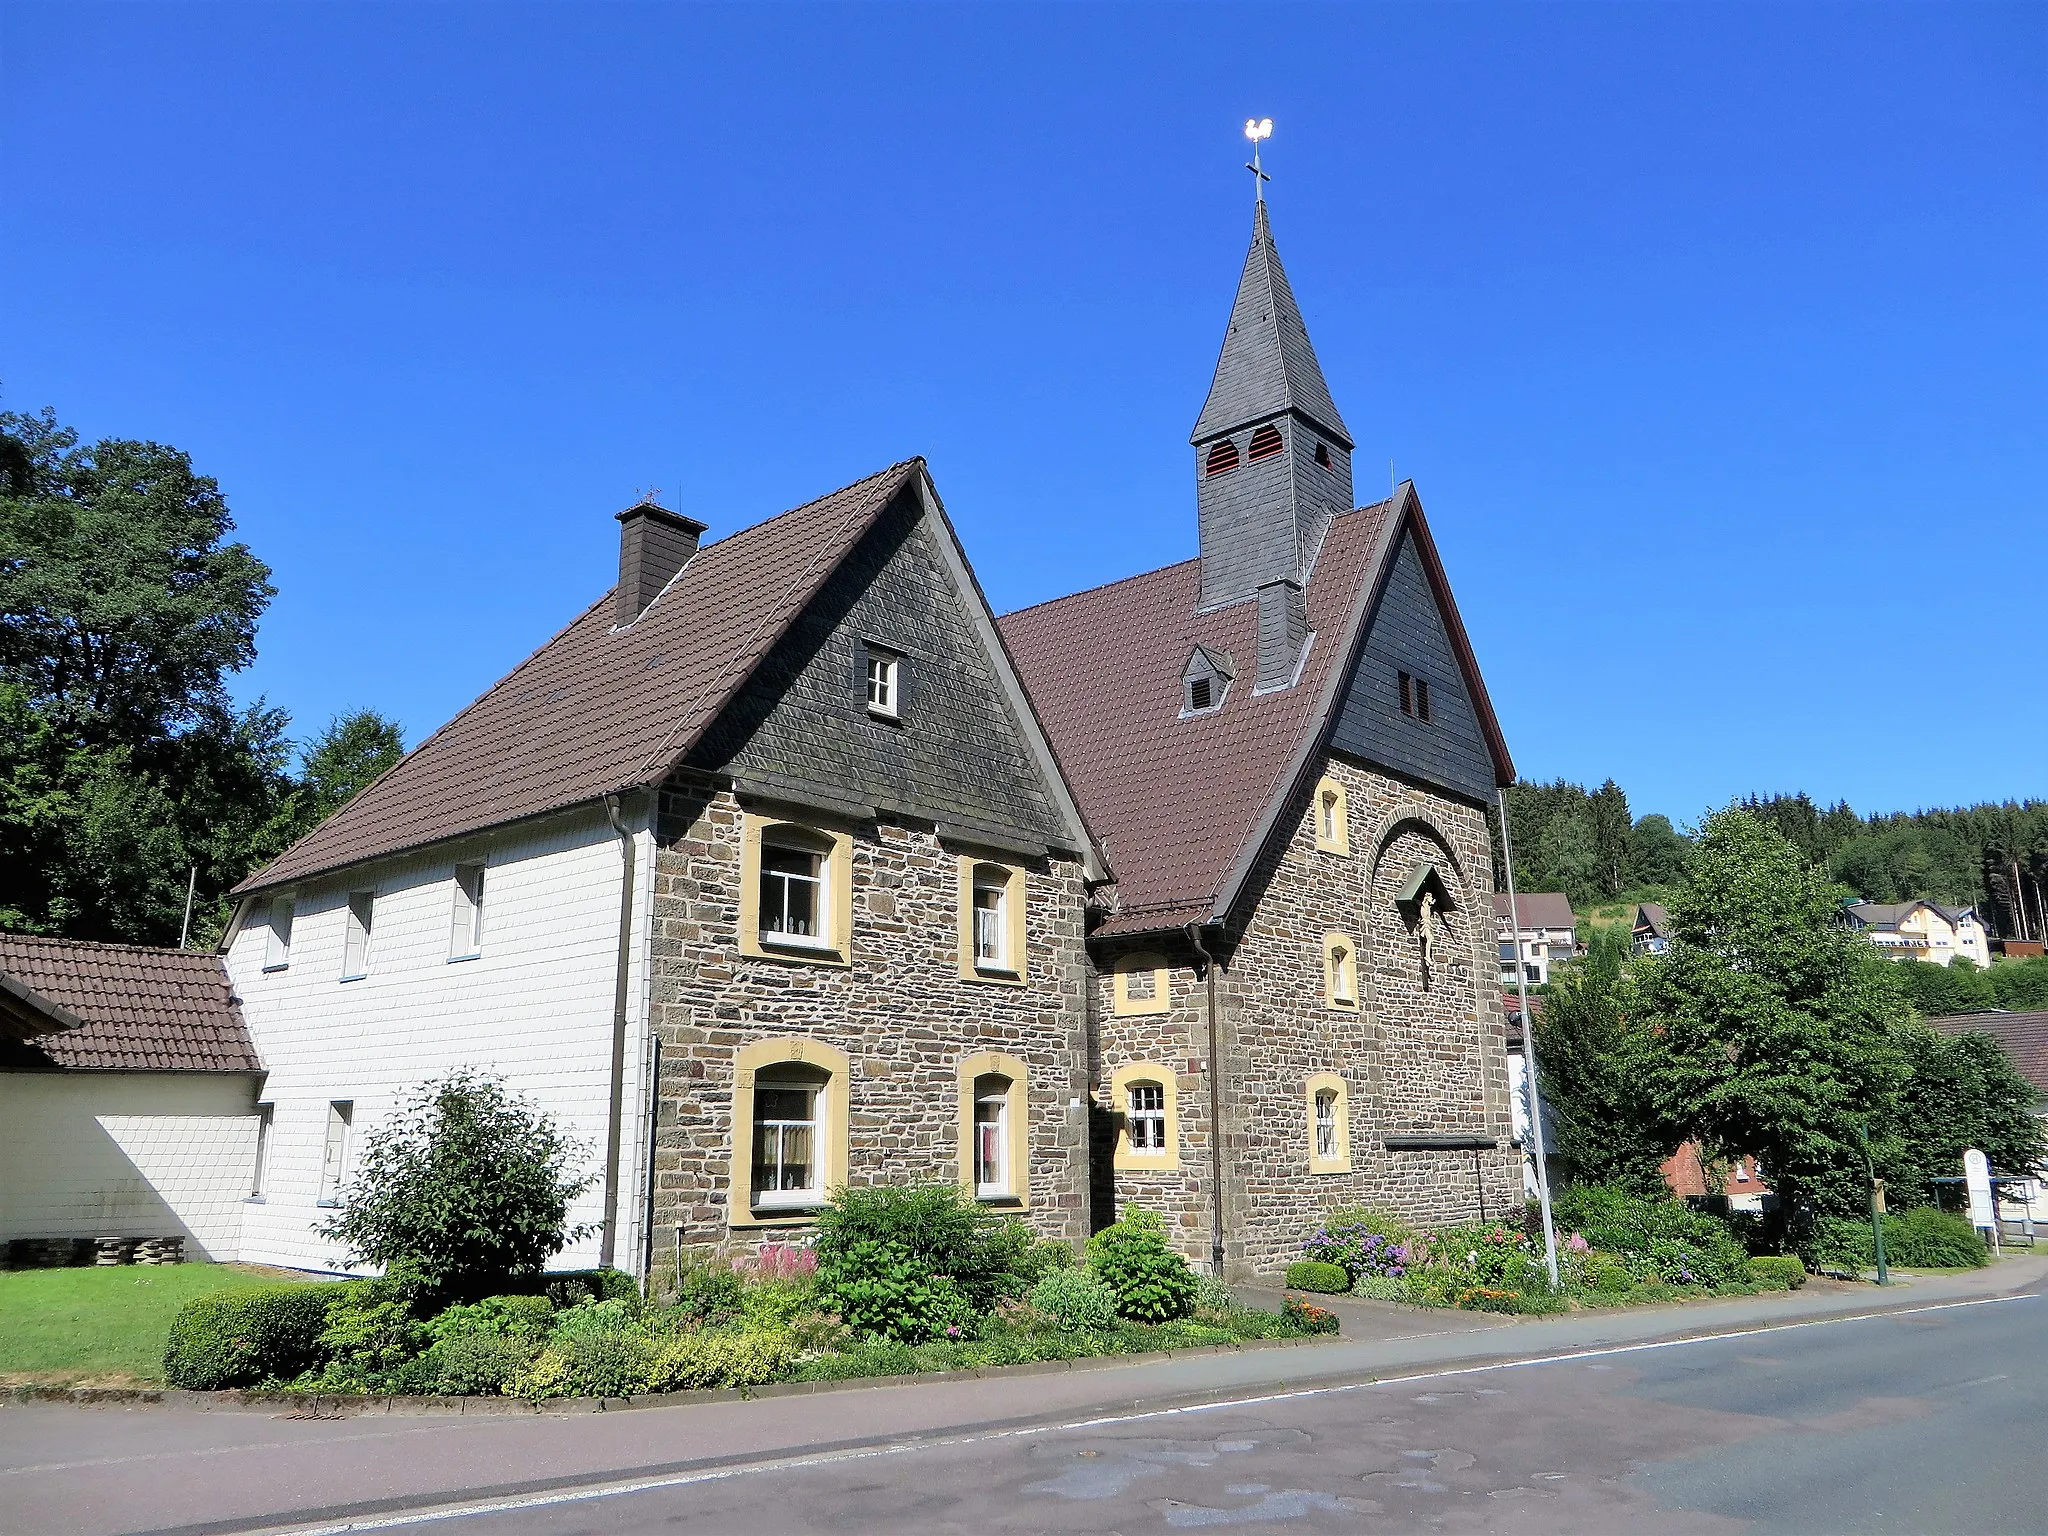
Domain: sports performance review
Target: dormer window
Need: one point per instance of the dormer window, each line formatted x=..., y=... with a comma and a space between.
x=1222, y=458
x=1266, y=442
x=1204, y=681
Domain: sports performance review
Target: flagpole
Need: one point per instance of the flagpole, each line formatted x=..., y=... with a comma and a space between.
x=1507, y=859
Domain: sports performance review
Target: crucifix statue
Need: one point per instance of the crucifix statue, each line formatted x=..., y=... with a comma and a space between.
x=1425, y=922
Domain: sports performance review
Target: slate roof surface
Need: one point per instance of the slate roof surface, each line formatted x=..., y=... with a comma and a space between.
x=2024, y=1036
x=163, y=1010
x=1538, y=909
x=596, y=711
x=1174, y=801
x=1267, y=364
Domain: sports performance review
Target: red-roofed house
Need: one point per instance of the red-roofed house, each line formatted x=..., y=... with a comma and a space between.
x=127, y=1095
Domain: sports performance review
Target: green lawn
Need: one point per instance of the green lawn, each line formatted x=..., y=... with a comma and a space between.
x=105, y=1326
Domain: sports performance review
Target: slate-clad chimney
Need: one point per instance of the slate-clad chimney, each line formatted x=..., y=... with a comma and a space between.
x=1272, y=461
x=654, y=543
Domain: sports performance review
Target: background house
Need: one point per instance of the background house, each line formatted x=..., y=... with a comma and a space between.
x=1548, y=935
x=1921, y=930
x=2024, y=1037
x=128, y=1096
x=1651, y=934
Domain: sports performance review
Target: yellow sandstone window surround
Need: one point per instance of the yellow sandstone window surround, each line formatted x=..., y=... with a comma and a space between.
x=1140, y=984
x=1332, y=812
x=995, y=1128
x=788, y=1130
x=1329, y=1124
x=991, y=920
x=796, y=891
x=1144, y=1097
x=1340, y=971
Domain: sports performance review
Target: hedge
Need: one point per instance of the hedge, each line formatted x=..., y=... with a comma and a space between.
x=1314, y=1275
x=1777, y=1272
x=241, y=1338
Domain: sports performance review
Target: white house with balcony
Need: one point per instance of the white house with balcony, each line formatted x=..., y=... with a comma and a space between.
x=1547, y=937
x=1922, y=930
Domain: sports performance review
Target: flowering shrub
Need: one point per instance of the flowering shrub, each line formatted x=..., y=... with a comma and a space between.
x=1490, y=1253
x=783, y=1261
x=1309, y=1318
x=1359, y=1250
x=1485, y=1298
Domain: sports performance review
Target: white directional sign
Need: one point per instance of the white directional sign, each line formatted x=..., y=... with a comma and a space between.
x=1977, y=1179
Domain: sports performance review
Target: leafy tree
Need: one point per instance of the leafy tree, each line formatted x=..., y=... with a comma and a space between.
x=2020, y=985
x=462, y=1186
x=1963, y=1092
x=123, y=762
x=1775, y=1024
x=1658, y=852
x=1591, y=1057
x=1936, y=991
x=343, y=759
x=1901, y=858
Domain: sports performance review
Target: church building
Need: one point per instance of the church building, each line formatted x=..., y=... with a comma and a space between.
x=787, y=865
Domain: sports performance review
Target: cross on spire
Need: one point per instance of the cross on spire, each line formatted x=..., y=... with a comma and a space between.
x=1258, y=130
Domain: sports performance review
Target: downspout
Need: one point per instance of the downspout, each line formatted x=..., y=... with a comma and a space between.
x=608, y=1245
x=1194, y=932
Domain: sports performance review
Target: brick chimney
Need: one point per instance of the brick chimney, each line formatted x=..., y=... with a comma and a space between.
x=654, y=543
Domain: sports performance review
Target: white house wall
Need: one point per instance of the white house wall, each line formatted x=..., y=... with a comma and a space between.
x=535, y=1006
x=127, y=1154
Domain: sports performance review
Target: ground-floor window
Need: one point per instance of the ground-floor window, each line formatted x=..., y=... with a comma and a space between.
x=994, y=1145
x=1329, y=1123
x=789, y=1109
x=786, y=1139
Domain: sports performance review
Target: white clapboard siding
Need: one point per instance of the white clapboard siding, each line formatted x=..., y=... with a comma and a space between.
x=127, y=1154
x=535, y=1006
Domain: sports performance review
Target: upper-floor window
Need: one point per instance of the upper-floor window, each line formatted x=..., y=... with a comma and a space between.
x=341, y=1115
x=466, y=929
x=1266, y=442
x=1414, y=695
x=1140, y=984
x=277, y=934
x=1221, y=458
x=1340, y=971
x=1333, y=817
x=359, y=920
x=992, y=938
x=885, y=683
x=1322, y=455
x=797, y=891
x=794, y=901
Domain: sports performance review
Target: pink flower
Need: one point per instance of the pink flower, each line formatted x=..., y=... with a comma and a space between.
x=1577, y=1243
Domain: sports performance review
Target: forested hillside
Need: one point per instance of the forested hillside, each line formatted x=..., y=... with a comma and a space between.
x=1993, y=857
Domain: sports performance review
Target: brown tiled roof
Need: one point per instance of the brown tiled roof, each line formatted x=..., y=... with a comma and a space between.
x=1653, y=916
x=1177, y=803
x=2024, y=1036
x=1538, y=909
x=162, y=1010
x=595, y=711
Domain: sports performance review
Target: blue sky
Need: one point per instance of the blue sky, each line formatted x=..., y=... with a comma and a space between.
x=1715, y=338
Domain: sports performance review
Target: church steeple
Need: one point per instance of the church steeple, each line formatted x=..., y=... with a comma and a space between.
x=1272, y=460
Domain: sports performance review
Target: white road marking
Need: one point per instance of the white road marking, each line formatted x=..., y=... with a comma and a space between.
x=1105, y=1421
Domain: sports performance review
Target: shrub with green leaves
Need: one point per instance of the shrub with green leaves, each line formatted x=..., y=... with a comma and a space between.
x=465, y=1184
x=1657, y=1238
x=1153, y=1284
x=524, y=1317
x=693, y=1361
x=609, y=1364
x=711, y=1293
x=480, y=1364
x=241, y=1338
x=884, y=1288
x=1314, y=1275
x=1777, y=1272
x=1381, y=1288
x=940, y=1229
x=1213, y=1295
x=368, y=1341
x=1076, y=1300
x=589, y=1318
x=1924, y=1238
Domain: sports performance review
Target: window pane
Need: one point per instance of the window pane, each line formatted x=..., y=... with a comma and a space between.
x=796, y=1157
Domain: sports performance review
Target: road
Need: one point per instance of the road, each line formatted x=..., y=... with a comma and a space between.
x=1919, y=1421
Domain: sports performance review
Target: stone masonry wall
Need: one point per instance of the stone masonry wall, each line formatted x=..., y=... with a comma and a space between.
x=1413, y=1060
x=901, y=1012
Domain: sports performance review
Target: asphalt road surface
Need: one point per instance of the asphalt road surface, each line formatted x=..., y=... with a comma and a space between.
x=1927, y=1422
x=1930, y=1420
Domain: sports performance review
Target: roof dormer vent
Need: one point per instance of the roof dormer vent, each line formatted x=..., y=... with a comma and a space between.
x=1204, y=681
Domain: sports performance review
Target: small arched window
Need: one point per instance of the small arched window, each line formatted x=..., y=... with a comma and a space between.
x=1340, y=971
x=1222, y=457
x=1329, y=1124
x=1333, y=818
x=1144, y=1095
x=1266, y=442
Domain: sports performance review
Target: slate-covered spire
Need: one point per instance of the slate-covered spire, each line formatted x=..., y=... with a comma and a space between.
x=1272, y=461
x=1268, y=365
